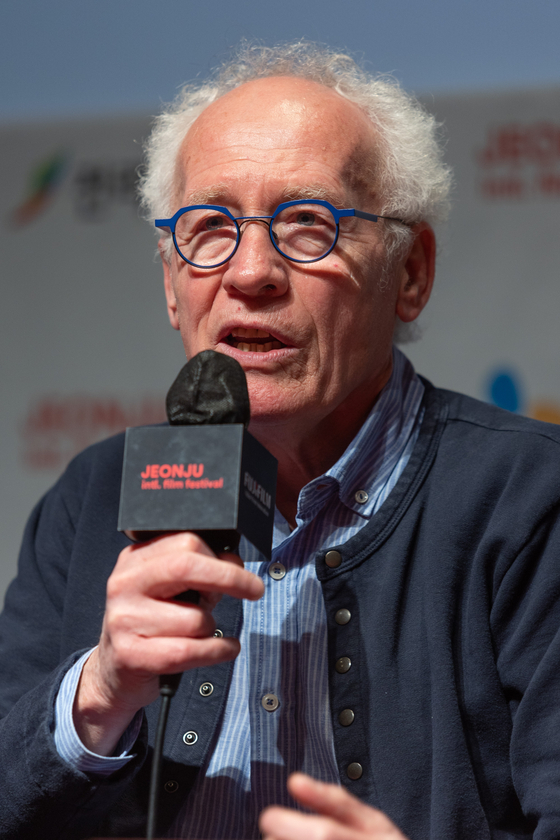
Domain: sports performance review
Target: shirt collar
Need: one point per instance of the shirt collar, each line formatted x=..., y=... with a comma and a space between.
x=363, y=470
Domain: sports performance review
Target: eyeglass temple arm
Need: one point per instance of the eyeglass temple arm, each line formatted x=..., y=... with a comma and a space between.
x=361, y=215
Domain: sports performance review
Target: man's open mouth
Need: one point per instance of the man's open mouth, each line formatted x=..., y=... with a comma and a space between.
x=252, y=339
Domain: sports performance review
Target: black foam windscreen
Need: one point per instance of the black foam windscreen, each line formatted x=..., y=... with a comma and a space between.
x=210, y=389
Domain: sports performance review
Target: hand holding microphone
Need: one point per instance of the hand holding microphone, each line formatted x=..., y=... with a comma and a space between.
x=146, y=631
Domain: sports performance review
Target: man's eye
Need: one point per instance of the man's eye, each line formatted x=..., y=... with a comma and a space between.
x=214, y=223
x=306, y=219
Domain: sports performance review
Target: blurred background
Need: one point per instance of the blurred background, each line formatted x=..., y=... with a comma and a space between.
x=86, y=348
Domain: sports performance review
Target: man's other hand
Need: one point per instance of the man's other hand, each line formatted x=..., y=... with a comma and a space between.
x=146, y=633
x=338, y=816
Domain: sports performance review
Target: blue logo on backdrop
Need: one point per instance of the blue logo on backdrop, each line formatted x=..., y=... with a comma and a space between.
x=504, y=390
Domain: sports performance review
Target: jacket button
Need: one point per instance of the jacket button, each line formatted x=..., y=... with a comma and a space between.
x=333, y=559
x=171, y=786
x=343, y=664
x=190, y=738
x=342, y=616
x=206, y=689
x=354, y=771
x=346, y=717
x=218, y=633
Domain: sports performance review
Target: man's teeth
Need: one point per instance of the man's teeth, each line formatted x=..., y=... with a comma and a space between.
x=249, y=332
x=259, y=348
x=240, y=333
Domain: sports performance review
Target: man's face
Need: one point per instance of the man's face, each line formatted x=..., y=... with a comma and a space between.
x=324, y=329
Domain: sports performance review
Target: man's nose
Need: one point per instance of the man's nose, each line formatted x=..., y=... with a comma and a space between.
x=256, y=268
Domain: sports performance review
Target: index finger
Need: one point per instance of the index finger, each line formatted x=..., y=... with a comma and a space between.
x=172, y=564
x=335, y=802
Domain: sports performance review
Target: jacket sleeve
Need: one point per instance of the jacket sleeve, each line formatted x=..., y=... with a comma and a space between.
x=526, y=620
x=40, y=794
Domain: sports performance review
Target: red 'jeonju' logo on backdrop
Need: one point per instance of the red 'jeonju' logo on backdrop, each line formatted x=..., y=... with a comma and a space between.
x=520, y=161
x=57, y=428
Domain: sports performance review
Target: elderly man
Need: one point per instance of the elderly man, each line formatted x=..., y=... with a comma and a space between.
x=401, y=647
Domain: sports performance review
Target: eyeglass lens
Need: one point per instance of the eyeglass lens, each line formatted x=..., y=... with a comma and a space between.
x=207, y=237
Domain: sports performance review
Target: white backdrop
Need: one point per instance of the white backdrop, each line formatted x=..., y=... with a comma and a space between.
x=493, y=316
x=86, y=346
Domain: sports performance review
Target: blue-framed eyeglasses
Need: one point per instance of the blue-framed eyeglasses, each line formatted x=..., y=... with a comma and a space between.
x=207, y=235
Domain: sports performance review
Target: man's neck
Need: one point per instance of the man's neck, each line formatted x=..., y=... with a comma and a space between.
x=307, y=451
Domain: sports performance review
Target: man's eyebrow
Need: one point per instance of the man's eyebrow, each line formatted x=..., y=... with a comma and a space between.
x=311, y=191
x=217, y=193
x=221, y=194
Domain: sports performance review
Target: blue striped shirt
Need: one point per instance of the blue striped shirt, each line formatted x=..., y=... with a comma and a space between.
x=277, y=717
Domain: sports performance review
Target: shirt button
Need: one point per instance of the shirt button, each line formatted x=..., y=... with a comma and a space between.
x=333, y=559
x=354, y=771
x=361, y=497
x=171, y=786
x=206, y=689
x=277, y=571
x=343, y=664
x=342, y=616
x=346, y=717
x=190, y=738
x=270, y=702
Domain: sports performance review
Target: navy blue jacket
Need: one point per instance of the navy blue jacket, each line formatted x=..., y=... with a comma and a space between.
x=454, y=593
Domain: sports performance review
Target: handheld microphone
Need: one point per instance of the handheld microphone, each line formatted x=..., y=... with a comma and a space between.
x=204, y=472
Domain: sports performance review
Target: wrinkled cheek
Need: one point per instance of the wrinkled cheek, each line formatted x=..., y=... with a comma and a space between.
x=193, y=332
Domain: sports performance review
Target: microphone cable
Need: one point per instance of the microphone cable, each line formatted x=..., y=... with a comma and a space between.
x=168, y=687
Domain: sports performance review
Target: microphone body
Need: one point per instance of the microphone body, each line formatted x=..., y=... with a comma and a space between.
x=205, y=472
x=216, y=480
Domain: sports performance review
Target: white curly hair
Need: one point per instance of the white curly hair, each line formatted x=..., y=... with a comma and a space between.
x=411, y=177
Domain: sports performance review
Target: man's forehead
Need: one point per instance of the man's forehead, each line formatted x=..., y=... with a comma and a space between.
x=291, y=116
x=282, y=97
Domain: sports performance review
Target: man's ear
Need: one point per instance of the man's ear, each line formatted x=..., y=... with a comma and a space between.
x=418, y=274
x=172, y=312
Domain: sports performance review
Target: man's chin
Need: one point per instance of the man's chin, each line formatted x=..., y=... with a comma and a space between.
x=266, y=414
x=270, y=417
